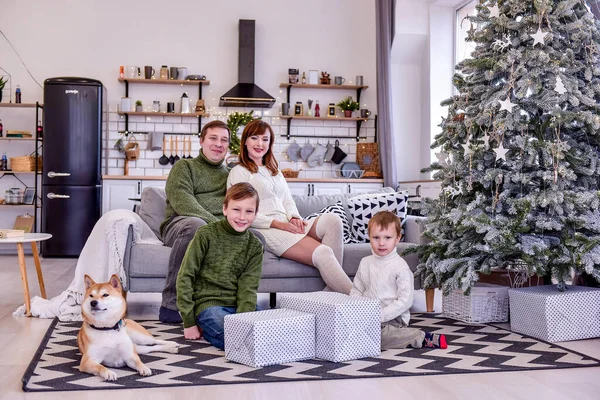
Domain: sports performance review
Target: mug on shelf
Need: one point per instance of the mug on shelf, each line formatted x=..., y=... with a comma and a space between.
x=173, y=73
x=149, y=72
x=339, y=80
x=364, y=113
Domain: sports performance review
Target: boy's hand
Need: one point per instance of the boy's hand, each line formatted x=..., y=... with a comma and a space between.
x=192, y=333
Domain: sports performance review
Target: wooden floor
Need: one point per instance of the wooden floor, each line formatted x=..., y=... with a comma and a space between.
x=20, y=337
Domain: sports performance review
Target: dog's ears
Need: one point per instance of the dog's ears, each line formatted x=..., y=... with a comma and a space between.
x=115, y=282
x=89, y=282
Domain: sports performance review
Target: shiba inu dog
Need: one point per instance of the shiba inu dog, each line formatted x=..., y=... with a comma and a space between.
x=106, y=339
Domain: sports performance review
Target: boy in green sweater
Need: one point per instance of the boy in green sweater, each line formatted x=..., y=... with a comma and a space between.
x=221, y=269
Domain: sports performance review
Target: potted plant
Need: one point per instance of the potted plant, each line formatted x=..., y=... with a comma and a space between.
x=138, y=106
x=2, y=84
x=234, y=122
x=348, y=105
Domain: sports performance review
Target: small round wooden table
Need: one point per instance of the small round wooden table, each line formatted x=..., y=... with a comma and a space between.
x=29, y=238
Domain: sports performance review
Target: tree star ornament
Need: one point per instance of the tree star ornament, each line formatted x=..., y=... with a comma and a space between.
x=538, y=37
x=560, y=86
x=506, y=104
x=500, y=152
x=494, y=11
x=467, y=147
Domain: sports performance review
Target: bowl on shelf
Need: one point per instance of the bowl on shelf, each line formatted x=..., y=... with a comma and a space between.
x=349, y=173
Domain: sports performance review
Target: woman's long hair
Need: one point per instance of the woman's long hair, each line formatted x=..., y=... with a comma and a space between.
x=258, y=128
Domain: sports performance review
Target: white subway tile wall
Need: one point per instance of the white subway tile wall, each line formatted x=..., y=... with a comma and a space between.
x=148, y=165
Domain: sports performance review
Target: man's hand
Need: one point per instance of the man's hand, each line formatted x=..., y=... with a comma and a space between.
x=191, y=333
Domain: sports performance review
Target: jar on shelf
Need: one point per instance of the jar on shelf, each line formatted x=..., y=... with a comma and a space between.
x=331, y=110
x=298, y=108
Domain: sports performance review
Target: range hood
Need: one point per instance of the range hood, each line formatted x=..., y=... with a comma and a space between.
x=246, y=93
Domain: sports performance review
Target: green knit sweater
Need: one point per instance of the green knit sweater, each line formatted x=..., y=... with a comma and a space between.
x=196, y=188
x=221, y=267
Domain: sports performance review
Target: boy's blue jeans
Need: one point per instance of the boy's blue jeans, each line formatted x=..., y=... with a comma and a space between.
x=212, y=321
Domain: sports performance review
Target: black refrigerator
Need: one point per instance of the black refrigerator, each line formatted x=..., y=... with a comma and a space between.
x=71, y=174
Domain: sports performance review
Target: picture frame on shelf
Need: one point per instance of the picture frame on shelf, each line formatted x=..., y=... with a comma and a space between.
x=313, y=77
x=29, y=195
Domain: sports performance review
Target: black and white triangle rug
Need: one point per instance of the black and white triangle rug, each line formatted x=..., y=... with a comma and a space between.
x=471, y=348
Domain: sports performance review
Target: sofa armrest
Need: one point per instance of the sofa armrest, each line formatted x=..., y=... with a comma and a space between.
x=413, y=229
x=127, y=256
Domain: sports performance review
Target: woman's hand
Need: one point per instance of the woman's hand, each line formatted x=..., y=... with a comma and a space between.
x=286, y=226
x=299, y=222
x=191, y=333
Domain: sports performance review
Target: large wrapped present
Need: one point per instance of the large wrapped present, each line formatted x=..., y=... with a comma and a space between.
x=347, y=327
x=545, y=313
x=269, y=337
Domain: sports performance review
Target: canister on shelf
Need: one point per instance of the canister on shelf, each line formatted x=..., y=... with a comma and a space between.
x=331, y=110
x=299, y=108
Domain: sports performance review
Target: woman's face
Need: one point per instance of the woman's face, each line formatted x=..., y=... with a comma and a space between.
x=258, y=146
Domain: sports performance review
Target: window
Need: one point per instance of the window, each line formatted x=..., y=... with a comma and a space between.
x=464, y=48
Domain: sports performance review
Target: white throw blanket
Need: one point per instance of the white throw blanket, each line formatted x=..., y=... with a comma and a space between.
x=101, y=257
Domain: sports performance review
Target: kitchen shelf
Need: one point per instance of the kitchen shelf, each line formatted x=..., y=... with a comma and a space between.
x=37, y=204
x=136, y=81
x=318, y=86
x=165, y=114
x=32, y=139
x=19, y=105
x=322, y=118
x=289, y=118
x=164, y=81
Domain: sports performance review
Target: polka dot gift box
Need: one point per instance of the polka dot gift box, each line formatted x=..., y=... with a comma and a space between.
x=347, y=327
x=269, y=337
x=545, y=313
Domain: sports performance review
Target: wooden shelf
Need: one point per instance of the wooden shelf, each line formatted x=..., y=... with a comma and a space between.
x=309, y=86
x=18, y=105
x=166, y=114
x=17, y=205
x=19, y=138
x=163, y=81
x=17, y=172
x=323, y=118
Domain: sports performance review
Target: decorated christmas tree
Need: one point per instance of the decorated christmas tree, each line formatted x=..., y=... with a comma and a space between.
x=518, y=155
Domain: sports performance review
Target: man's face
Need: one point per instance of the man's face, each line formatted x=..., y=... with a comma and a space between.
x=215, y=144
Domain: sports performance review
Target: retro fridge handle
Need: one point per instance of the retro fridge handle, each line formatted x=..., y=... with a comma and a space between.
x=58, y=196
x=52, y=174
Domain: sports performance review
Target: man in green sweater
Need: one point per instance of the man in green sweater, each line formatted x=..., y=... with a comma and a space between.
x=195, y=192
x=221, y=269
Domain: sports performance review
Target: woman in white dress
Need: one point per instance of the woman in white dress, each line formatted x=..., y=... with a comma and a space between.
x=318, y=242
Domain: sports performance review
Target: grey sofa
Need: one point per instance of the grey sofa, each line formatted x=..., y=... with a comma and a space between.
x=146, y=265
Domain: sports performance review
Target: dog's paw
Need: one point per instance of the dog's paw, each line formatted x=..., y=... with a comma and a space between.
x=144, y=371
x=172, y=348
x=108, y=375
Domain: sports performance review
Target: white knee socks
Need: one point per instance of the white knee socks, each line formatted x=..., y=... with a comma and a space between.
x=331, y=271
x=330, y=231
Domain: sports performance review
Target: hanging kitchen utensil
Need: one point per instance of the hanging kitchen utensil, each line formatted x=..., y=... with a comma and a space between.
x=171, y=158
x=164, y=160
x=176, y=150
x=189, y=148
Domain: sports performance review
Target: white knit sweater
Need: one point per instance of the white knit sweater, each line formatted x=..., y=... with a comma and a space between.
x=388, y=279
x=276, y=201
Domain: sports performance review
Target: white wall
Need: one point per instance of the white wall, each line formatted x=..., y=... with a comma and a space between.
x=92, y=39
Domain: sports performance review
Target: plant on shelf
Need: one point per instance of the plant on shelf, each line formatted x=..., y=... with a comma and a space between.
x=348, y=105
x=138, y=106
x=2, y=84
x=234, y=122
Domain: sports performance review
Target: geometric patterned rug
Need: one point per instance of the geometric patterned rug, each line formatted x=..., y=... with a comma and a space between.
x=471, y=348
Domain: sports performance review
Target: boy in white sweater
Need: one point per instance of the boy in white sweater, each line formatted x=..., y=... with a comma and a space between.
x=386, y=276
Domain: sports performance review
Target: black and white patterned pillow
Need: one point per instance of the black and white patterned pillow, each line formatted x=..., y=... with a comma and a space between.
x=363, y=207
x=337, y=209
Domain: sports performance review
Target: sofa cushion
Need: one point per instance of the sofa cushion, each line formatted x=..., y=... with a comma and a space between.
x=337, y=209
x=362, y=209
x=149, y=261
x=153, y=208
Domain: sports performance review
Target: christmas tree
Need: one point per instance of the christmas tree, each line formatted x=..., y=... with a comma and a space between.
x=518, y=154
